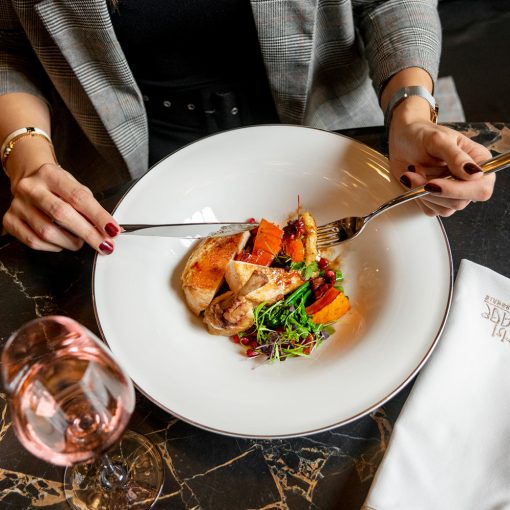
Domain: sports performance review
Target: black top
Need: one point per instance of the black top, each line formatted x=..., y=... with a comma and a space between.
x=198, y=64
x=189, y=42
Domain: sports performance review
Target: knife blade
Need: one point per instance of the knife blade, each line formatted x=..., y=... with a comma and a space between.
x=187, y=230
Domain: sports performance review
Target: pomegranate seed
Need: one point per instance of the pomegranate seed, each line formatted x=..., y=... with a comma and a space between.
x=251, y=353
x=253, y=343
x=323, y=263
x=320, y=291
x=317, y=282
x=245, y=341
x=294, y=229
x=330, y=276
x=252, y=220
x=236, y=339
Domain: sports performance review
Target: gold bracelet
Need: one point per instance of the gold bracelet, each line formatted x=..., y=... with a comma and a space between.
x=13, y=138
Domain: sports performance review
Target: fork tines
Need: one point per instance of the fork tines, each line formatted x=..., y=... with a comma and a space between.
x=328, y=235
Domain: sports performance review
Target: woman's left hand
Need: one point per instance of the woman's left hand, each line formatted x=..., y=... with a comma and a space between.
x=422, y=153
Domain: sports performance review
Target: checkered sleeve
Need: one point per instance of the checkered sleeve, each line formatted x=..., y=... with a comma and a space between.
x=20, y=70
x=398, y=34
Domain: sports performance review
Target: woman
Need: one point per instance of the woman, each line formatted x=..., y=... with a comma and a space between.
x=78, y=71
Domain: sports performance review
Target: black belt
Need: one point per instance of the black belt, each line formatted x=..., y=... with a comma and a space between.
x=209, y=109
x=206, y=109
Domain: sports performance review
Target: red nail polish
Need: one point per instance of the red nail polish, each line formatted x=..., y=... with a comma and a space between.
x=106, y=247
x=405, y=181
x=433, y=188
x=471, y=168
x=111, y=229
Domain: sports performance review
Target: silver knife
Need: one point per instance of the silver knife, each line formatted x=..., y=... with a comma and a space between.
x=187, y=230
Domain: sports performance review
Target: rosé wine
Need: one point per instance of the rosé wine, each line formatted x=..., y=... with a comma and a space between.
x=70, y=400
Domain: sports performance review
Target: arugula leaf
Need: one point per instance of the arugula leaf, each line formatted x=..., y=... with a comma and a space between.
x=310, y=270
x=307, y=271
x=284, y=329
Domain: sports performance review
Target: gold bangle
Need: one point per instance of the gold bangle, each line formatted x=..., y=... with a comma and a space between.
x=13, y=138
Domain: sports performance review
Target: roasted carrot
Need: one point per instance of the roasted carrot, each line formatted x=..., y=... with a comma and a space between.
x=324, y=300
x=259, y=257
x=332, y=311
x=267, y=243
x=295, y=249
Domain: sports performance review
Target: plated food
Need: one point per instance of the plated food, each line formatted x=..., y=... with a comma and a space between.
x=268, y=289
x=208, y=381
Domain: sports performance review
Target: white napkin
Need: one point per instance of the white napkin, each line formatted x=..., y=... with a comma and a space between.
x=450, y=447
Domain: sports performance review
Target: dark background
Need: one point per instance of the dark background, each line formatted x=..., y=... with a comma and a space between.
x=476, y=53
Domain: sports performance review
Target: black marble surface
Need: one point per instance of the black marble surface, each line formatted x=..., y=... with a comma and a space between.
x=330, y=470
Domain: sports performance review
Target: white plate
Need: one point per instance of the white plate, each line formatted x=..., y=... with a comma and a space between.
x=398, y=275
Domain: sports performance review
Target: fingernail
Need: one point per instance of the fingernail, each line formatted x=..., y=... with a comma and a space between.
x=433, y=188
x=405, y=181
x=106, y=247
x=411, y=168
x=111, y=229
x=471, y=168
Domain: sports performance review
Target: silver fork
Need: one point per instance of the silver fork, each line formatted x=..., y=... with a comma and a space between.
x=347, y=228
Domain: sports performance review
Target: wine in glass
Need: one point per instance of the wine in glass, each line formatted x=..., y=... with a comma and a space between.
x=70, y=403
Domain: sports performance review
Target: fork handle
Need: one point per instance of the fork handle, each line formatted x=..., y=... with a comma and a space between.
x=490, y=166
x=496, y=164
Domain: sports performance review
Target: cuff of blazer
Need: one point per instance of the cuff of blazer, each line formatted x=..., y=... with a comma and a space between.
x=14, y=78
x=399, y=34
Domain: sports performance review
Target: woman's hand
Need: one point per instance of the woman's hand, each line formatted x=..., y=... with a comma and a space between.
x=52, y=211
x=421, y=153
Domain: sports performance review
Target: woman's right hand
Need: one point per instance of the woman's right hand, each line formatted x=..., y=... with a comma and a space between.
x=52, y=211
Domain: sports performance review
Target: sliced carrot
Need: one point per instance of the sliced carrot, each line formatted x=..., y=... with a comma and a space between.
x=267, y=243
x=332, y=311
x=243, y=256
x=261, y=258
x=295, y=249
x=324, y=300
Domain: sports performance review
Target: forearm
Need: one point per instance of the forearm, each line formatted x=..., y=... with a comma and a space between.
x=19, y=110
x=398, y=35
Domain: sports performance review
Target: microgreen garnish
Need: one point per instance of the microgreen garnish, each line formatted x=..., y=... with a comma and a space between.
x=284, y=329
x=310, y=270
x=307, y=271
x=339, y=278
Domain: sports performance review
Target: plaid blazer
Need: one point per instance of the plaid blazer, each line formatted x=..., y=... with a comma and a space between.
x=326, y=61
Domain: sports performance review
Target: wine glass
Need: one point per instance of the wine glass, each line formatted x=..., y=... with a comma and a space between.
x=70, y=403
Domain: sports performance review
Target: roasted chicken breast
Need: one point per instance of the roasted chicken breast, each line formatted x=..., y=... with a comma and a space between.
x=232, y=312
x=205, y=269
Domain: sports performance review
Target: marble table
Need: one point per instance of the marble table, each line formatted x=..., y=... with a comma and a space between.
x=329, y=470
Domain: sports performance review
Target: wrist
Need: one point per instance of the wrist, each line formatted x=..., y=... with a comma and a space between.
x=410, y=104
x=412, y=76
x=412, y=109
x=30, y=154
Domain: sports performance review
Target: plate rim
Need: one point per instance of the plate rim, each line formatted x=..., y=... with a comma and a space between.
x=316, y=430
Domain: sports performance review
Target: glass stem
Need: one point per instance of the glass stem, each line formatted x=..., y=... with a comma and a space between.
x=113, y=475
